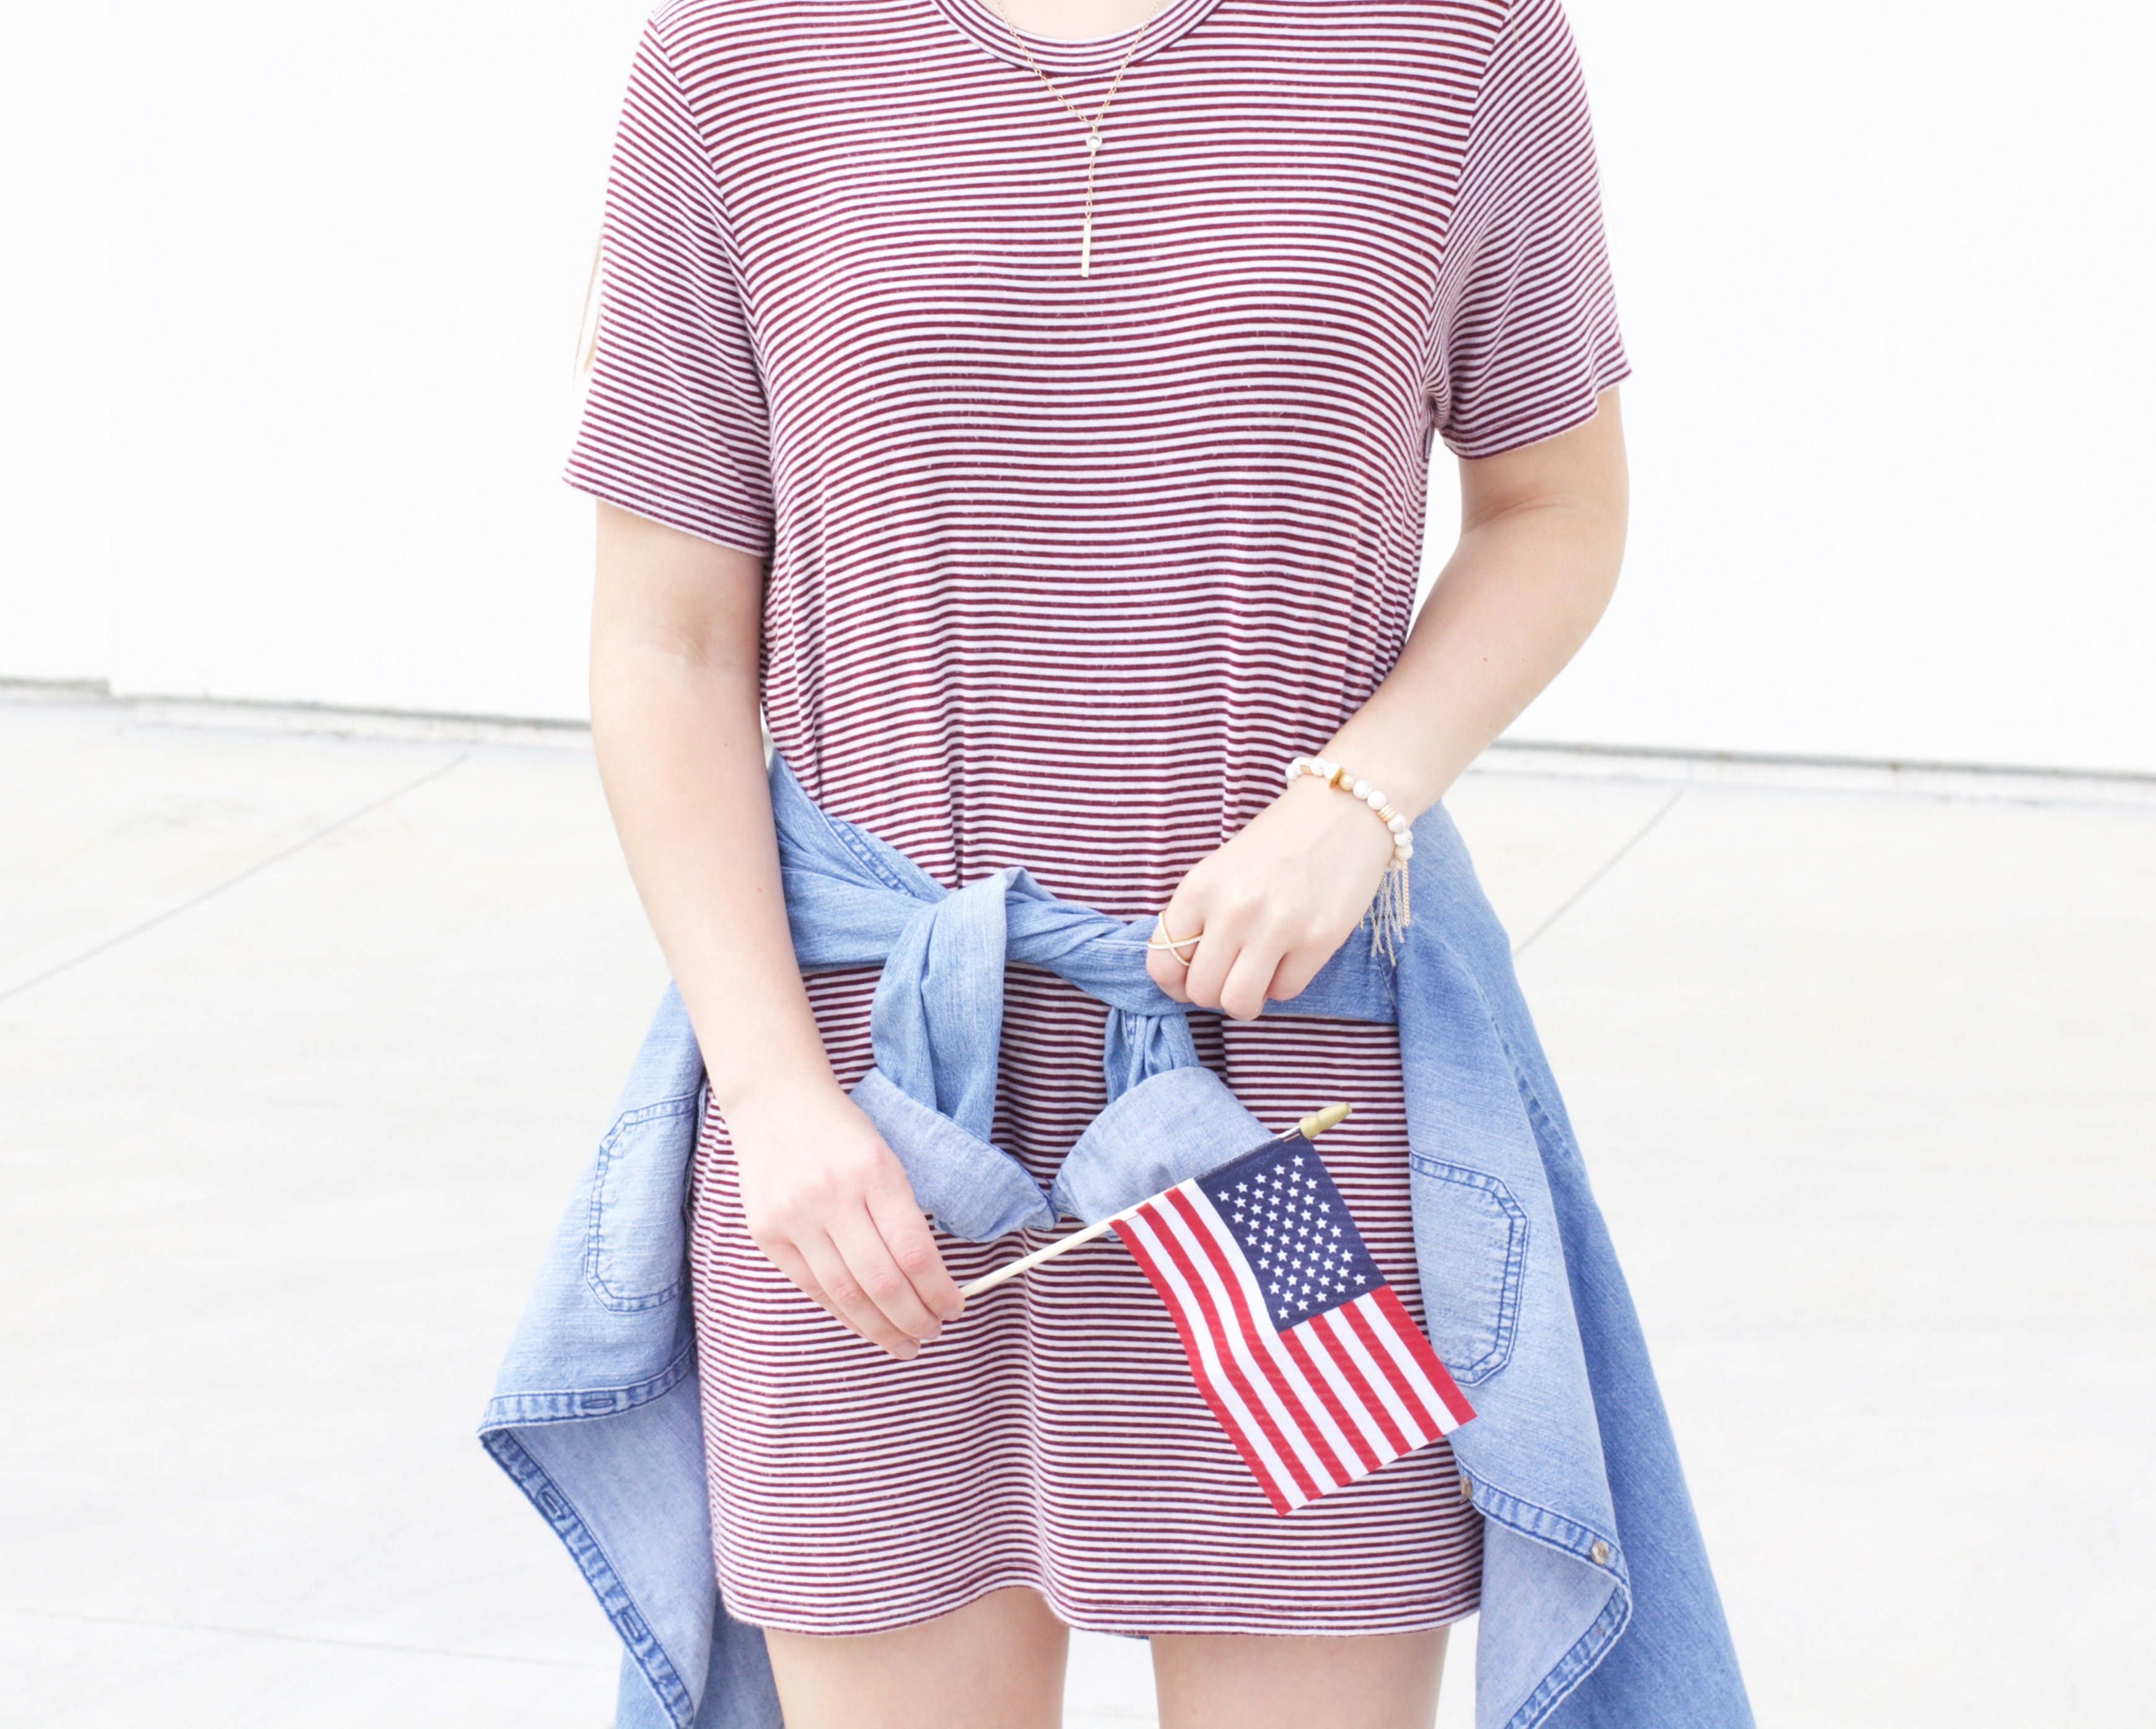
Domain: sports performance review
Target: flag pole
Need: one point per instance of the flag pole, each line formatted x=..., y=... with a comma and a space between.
x=1309, y=1128
x=1012, y=1269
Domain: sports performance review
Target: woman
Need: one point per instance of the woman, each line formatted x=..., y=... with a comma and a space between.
x=1028, y=408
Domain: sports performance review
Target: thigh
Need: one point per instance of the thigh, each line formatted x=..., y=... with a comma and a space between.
x=996, y=1664
x=1386, y=1680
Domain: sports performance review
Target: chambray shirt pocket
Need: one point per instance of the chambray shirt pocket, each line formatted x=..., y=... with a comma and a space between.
x=1471, y=1249
x=636, y=1237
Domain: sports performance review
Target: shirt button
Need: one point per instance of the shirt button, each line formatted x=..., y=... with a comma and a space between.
x=1466, y=1487
x=1598, y=1552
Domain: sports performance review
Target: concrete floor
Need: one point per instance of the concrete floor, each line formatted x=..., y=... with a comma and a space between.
x=303, y=1039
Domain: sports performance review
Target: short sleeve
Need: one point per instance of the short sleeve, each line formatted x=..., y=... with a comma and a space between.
x=1527, y=329
x=675, y=423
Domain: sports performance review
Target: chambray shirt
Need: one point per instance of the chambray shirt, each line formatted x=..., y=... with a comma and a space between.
x=1597, y=1607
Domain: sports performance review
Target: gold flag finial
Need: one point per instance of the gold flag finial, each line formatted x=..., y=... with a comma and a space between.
x=1318, y=1122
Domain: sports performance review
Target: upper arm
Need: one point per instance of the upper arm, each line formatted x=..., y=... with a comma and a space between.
x=674, y=440
x=1581, y=468
x=1526, y=338
x=657, y=588
x=675, y=428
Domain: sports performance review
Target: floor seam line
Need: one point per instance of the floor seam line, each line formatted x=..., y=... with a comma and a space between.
x=1609, y=865
x=231, y=882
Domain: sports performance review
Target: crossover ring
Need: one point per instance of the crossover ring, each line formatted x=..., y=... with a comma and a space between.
x=1173, y=945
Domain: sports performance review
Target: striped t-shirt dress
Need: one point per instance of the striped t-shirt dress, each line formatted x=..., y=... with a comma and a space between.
x=1062, y=569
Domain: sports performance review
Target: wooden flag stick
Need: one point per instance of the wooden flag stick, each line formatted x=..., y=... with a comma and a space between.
x=1012, y=1269
x=1318, y=1122
x=1311, y=1127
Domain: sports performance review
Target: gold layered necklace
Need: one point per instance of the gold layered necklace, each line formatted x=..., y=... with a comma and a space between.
x=1092, y=126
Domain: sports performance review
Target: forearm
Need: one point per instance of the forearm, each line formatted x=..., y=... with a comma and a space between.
x=1529, y=581
x=675, y=724
x=1543, y=533
x=677, y=623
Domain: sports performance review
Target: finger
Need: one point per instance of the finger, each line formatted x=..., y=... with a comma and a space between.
x=868, y=1259
x=1243, y=993
x=813, y=1287
x=850, y=1298
x=1161, y=965
x=912, y=1245
x=1213, y=961
x=783, y=1255
x=1296, y=970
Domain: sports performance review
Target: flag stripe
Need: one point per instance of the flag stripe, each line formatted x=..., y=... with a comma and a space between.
x=1314, y=1405
x=1310, y=1396
x=1250, y=1438
x=1350, y=1344
x=1255, y=1436
x=1369, y=1406
x=1310, y=1470
x=1442, y=1392
x=1359, y=1318
x=1345, y=1418
x=1399, y=1358
x=1234, y=1272
x=1233, y=1351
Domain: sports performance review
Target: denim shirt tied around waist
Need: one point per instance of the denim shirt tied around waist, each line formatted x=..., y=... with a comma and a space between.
x=1598, y=1606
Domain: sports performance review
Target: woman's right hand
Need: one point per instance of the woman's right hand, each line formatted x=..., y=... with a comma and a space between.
x=830, y=1204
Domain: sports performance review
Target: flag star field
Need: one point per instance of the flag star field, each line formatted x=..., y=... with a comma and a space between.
x=1293, y=1229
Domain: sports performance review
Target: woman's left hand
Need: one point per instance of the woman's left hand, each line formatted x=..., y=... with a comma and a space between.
x=1274, y=904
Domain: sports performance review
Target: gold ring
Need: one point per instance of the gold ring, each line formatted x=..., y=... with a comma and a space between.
x=1172, y=946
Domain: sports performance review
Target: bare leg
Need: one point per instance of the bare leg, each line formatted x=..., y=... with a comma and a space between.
x=1224, y=1682
x=996, y=1664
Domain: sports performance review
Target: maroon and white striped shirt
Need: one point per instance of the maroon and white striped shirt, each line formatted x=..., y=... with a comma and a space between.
x=1060, y=570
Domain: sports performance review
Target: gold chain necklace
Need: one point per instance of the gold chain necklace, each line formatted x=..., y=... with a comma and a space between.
x=1092, y=126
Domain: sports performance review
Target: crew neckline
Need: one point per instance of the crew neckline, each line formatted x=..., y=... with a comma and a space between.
x=977, y=21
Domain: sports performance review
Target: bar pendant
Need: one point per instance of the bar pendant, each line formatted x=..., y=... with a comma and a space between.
x=1085, y=249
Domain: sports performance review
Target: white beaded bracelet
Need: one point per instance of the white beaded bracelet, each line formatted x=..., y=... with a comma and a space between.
x=1333, y=774
x=1389, y=914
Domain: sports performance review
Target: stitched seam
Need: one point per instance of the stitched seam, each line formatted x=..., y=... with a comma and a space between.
x=610, y=1295
x=1568, y=1536
x=1540, y=1524
x=1506, y=1330
x=599, y=1572
x=854, y=842
x=1578, y=1663
x=572, y=1405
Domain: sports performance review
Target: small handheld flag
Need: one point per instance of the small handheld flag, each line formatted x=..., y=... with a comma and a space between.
x=1307, y=1356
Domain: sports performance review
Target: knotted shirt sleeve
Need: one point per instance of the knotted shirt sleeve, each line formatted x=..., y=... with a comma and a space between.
x=1528, y=334
x=675, y=423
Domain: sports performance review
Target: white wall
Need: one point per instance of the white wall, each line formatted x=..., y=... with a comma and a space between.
x=1886, y=274
x=1885, y=277
x=353, y=244
x=55, y=340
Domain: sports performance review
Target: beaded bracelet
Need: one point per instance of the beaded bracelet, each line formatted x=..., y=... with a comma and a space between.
x=1333, y=775
x=1388, y=911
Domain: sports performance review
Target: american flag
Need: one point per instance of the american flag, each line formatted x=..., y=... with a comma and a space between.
x=1308, y=1356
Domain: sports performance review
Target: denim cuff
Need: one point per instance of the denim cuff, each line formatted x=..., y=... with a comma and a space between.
x=975, y=1189
x=1180, y=1123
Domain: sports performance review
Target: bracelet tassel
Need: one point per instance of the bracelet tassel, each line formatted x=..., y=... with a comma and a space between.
x=1389, y=912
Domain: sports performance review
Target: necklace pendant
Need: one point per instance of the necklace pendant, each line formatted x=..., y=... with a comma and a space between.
x=1085, y=249
x=1092, y=144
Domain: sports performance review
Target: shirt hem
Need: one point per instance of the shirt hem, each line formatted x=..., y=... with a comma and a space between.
x=1081, y=1620
x=734, y=537
x=1572, y=416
